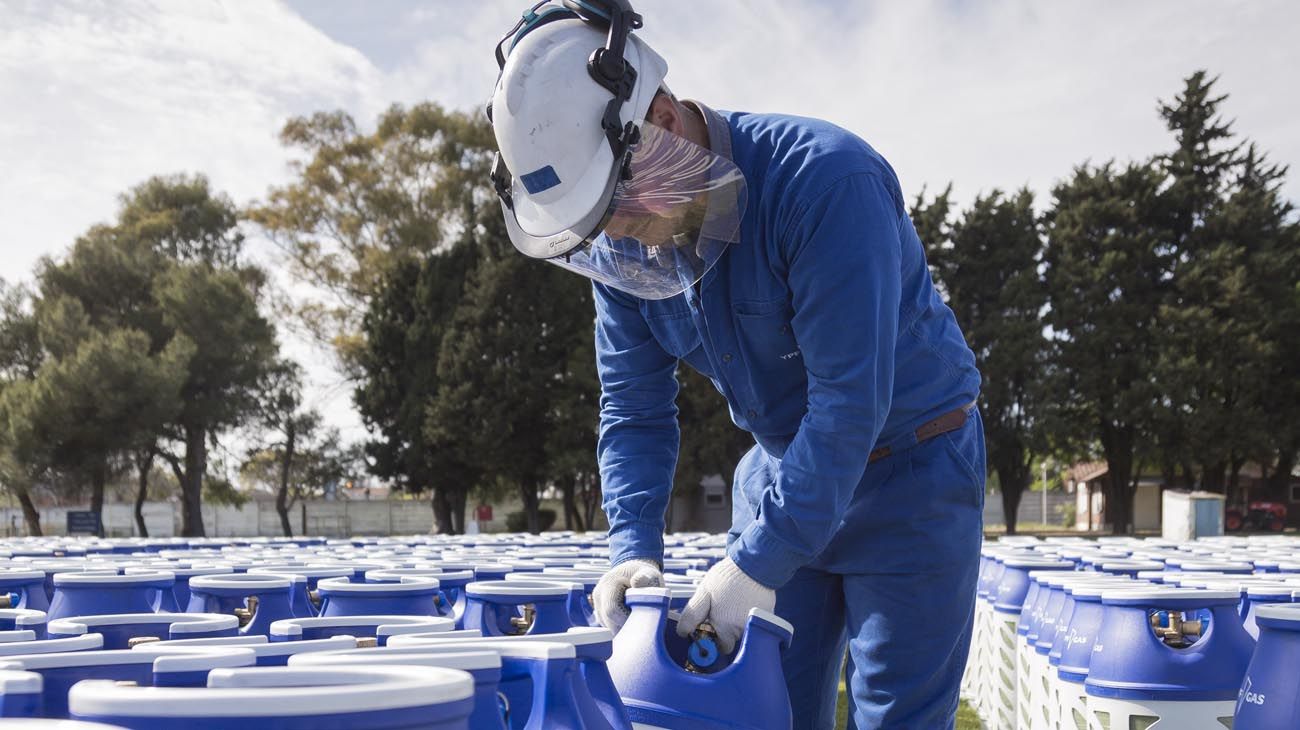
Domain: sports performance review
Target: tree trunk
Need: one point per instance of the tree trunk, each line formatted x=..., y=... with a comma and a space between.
x=1234, y=478
x=1280, y=479
x=572, y=517
x=1169, y=473
x=458, y=499
x=441, y=512
x=30, y=514
x=143, y=463
x=1212, y=476
x=286, y=468
x=1117, y=446
x=531, y=503
x=196, y=465
x=1013, y=477
x=590, y=500
x=98, y=478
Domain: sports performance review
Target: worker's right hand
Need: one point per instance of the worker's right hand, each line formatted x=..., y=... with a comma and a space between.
x=607, y=598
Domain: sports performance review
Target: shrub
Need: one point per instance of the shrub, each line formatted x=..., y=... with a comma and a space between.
x=518, y=521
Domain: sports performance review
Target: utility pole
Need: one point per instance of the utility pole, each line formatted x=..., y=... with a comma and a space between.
x=1044, y=463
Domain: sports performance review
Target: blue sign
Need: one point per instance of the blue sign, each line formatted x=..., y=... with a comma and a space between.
x=83, y=523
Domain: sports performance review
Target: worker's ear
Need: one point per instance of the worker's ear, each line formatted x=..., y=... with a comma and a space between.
x=666, y=113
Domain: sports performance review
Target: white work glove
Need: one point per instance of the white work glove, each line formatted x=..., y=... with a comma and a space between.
x=607, y=598
x=723, y=599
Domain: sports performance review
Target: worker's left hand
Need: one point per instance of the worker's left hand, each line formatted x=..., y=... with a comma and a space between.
x=723, y=599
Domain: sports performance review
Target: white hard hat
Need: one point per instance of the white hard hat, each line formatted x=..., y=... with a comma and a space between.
x=584, y=181
x=546, y=114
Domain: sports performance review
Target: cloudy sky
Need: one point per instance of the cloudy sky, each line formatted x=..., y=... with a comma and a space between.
x=97, y=96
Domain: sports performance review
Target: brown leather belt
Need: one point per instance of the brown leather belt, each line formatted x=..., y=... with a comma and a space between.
x=950, y=421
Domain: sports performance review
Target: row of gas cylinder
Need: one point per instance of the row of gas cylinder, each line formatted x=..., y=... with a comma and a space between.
x=483, y=632
x=1131, y=634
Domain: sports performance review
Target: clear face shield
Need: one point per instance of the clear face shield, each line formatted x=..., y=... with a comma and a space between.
x=667, y=222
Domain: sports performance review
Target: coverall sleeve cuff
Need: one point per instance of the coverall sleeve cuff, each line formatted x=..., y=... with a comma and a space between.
x=764, y=558
x=632, y=540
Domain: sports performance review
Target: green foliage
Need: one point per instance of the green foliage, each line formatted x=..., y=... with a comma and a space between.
x=1229, y=243
x=1105, y=279
x=404, y=327
x=220, y=490
x=361, y=202
x=1148, y=315
x=505, y=359
x=1068, y=513
x=987, y=262
x=146, y=332
x=518, y=521
x=385, y=228
x=320, y=461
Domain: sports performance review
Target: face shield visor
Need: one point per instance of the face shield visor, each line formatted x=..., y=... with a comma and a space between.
x=669, y=211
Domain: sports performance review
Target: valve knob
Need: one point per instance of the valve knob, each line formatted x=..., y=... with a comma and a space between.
x=703, y=652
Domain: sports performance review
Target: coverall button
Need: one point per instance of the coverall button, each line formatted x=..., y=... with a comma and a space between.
x=726, y=357
x=752, y=413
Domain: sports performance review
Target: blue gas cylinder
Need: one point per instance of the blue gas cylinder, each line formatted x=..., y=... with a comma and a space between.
x=509, y=608
x=593, y=646
x=1129, y=568
x=450, y=601
x=381, y=628
x=95, y=593
x=1011, y=659
x=1256, y=595
x=23, y=619
x=288, y=698
x=178, y=597
x=234, y=594
x=1070, y=666
x=1269, y=696
x=88, y=642
x=412, y=596
x=484, y=665
x=20, y=694
x=265, y=652
x=1175, y=655
x=118, y=630
x=543, y=683
x=28, y=585
x=744, y=689
x=59, y=671
x=306, y=599
x=579, y=605
x=43, y=724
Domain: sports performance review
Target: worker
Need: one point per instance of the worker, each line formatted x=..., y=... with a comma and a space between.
x=773, y=254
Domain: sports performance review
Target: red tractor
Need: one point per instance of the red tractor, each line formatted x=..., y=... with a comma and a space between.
x=1260, y=516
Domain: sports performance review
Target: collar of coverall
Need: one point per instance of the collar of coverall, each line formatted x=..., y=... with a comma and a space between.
x=719, y=144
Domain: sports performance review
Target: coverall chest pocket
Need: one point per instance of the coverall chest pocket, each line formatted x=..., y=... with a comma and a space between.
x=675, y=332
x=767, y=342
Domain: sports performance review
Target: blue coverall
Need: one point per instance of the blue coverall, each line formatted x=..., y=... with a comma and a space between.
x=824, y=332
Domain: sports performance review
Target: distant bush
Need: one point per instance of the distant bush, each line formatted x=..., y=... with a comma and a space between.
x=518, y=521
x=1067, y=512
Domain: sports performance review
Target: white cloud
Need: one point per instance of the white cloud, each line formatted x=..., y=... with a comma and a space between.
x=100, y=96
x=97, y=96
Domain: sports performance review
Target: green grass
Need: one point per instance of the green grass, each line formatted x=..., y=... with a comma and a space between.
x=966, y=718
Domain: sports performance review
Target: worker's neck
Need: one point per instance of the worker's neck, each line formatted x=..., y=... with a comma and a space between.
x=694, y=127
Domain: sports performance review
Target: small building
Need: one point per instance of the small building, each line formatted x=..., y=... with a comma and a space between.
x=1087, y=482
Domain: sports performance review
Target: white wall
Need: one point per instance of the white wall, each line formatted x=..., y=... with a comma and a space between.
x=331, y=519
